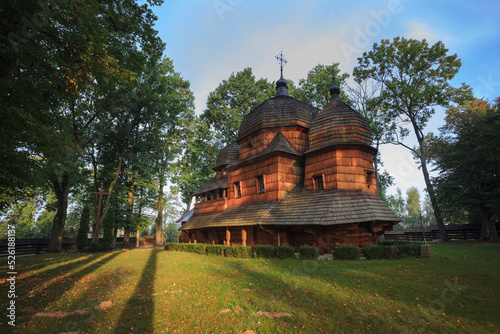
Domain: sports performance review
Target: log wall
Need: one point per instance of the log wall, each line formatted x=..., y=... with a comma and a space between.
x=342, y=168
x=258, y=141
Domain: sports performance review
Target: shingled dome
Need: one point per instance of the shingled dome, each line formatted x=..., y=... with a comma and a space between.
x=281, y=110
x=338, y=124
x=227, y=155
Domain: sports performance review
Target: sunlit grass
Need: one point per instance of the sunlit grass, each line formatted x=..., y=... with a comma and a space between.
x=175, y=292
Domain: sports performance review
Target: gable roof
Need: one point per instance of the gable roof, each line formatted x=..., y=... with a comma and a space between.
x=185, y=217
x=213, y=184
x=302, y=207
x=278, y=144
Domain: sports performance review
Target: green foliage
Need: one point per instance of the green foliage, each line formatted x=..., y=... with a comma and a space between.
x=107, y=232
x=244, y=252
x=218, y=250
x=349, y=252
x=231, y=101
x=414, y=79
x=409, y=250
x=315, y=89
x=394, y=242
x=265, y=251
x=285, y=252
x=308, y=252
x=82, y=237
x=467, y=156
x=185, y=247
x=376, y=252
x=95, y=247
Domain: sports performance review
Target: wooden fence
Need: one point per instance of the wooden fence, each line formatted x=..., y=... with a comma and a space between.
x=39, y=246
x=455, y=232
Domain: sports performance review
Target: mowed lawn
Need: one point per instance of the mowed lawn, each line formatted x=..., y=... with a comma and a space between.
x=158, y=291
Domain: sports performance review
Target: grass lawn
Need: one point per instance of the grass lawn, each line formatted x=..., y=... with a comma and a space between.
x=157, y=291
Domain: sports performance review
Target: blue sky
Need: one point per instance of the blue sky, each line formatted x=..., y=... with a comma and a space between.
x=210, y=39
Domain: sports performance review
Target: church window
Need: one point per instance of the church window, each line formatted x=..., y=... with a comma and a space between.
x=318, y=182
x=237, y=190
x=260, y=184
x=369, y=177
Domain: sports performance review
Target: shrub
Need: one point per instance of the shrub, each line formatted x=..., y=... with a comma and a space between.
x=350, y=252
x=171, y=246
x=244, y=252
x=394, y=242
x=377, y=252
x=196, y=248
x=285, y=252
x=411, y=250
x=216, y=250
x=308, y=252
x=265, y=251
x=95, y=247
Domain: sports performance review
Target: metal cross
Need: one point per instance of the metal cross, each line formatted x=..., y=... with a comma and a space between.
x=96, y=232
x=282, y=61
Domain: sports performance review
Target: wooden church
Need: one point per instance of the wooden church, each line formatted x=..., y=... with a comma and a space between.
x=293, y=177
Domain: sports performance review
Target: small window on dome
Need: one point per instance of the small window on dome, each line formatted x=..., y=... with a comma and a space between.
x=369, y=177
x=318, y=182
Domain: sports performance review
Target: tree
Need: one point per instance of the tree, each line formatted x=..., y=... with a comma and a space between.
x=315, y=89
x=414, y=79
x=412, y=208
x=82, y=237
x=69, y=57
x=229, y=103
x=467, y=155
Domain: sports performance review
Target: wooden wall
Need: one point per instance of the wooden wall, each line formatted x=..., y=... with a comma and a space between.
x=326, y=238
x=259, y=140
x=344, y=167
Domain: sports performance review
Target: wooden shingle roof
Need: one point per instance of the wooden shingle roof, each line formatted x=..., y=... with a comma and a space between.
x=280, y=110
x=338, y=124
x=213, y=184
x=302, y=207
x=228, y=154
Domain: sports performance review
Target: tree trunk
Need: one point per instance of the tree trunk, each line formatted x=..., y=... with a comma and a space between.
x=137, y=237
x=428, y=184
x=113, y=246
x=62, y=191
x=159, y=206
x=126, y=238
x=488, y=226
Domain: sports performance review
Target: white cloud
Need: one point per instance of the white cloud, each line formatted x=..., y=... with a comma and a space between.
x=420, y=30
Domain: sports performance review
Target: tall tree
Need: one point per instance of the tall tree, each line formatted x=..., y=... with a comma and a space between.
x=467, y=155
x=414, y=79
x=315, y=88
x=70, y=57
x=229, y=103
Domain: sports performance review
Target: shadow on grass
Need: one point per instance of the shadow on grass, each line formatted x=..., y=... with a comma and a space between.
x=61, y=280
x=139, y=309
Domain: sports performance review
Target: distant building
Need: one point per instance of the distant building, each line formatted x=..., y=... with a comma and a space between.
x=293, y=177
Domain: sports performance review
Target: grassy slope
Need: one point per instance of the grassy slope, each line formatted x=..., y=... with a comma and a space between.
x=156, y=290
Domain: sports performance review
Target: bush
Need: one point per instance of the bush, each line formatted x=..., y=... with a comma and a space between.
x=394, y=242
x=377, y=252
x=308, y=252
x=243, y=252
x=265, y=251
x=411, y=250
x=196, y=248
x=285, y=252
x=216, y=250
x=95, y=247
x=346, y=253
x=171, y=246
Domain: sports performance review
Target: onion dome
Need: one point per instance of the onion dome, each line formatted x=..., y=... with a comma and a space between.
x=281, y=110
x=227, y=155
x=338, y=124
